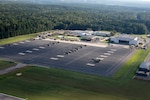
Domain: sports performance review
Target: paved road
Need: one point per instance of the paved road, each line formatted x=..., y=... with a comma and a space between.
x=9, y=97
x=51, y=54
x=148, y=58
x=10, y=69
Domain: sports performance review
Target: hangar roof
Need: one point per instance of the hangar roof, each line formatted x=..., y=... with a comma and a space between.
x=125, y=37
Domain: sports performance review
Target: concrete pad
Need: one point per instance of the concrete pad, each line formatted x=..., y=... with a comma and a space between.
x=103, y=56
x=89, y=64
x=28, y=51
x=53, y=58
x=27, y=41
x=61, y=56
x=107, y=54
x=42, y=47
x=35, y=49
x=21, y=53
x=15, y=44
x=1, y=47
x=21, y=42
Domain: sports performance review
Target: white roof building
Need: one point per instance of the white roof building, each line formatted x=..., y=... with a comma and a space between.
x=125, y=39
x=81, y=33
x=102, y=33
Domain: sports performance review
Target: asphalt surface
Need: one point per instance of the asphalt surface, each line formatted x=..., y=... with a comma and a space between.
x=53, y=54
x=8, y=97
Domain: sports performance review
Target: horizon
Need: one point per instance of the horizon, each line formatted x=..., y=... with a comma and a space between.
x=127, y=3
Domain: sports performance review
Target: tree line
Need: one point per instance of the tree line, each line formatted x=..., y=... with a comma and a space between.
x=19, y=19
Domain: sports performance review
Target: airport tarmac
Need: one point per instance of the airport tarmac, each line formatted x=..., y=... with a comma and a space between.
x=74, y=57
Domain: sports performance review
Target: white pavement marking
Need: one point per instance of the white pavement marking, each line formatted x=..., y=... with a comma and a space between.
x=52, y=58
x=1, y=47
x=110, y=51
x=100, y=58
x=21, y=53
x=89, y=64
x=103, y=56
x=42, y=47
x=107, y=54
x=61, y=56
x=21, y=42
x=35, y=49
x=113, y=49
x=28, y=51
x=15, y=44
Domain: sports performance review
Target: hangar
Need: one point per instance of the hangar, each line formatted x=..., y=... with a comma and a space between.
x=126, y=39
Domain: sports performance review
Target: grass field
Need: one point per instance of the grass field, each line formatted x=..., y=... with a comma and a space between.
x=6, y=64
x=52, y=84
x=16, y=39
x=38, y=83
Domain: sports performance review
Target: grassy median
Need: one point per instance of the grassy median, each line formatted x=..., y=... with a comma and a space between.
x=17, y=38
x=6, y=64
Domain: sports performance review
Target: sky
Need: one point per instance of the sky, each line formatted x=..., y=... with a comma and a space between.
x=110, y=2
x=106, y=1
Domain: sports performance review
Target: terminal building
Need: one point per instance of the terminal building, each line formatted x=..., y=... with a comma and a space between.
x=81, y=33
x=90, y=38
x=102, y=33
x=126, y=39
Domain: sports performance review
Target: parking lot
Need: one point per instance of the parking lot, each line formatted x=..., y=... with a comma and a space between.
x=102, y=61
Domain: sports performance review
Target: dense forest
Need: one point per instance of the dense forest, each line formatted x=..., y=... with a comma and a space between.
x=19, y=19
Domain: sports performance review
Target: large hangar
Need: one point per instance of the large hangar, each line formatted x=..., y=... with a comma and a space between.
x=125, y=39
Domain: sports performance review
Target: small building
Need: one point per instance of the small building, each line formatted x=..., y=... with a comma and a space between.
x=126, y=39
x=102, y=33
x=90, y=38
x=81, y=33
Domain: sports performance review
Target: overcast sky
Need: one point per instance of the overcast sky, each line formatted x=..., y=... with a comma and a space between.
x=122, y=0
x=101, y=1
x=108, y=1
